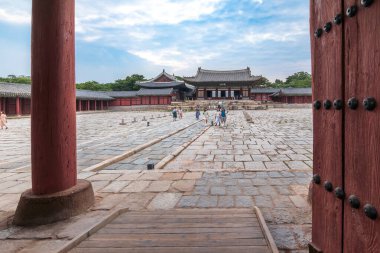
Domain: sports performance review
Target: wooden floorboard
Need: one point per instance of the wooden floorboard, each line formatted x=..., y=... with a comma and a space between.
x=185, y=225
x=241, y=249
x=183, y=231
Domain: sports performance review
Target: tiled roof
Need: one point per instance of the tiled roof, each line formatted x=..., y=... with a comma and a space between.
x=160, y=85
x=163, y=73
x=15, y=90
x=264, y=90
x=294, y=92
x=203, y=75
x=25, y=91
x=92, y=95
x=121, y=94
x=155, y=92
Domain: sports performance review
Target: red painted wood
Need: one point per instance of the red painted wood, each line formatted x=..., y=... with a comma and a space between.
x=327, y=84
x=145, y=100
x=362, y=132
x=25, y=108
x=10, y=106
x=53, y=94
x=18, y=107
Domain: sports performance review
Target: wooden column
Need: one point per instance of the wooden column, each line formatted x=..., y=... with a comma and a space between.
x=18, y=106
x=53, y=96
x=56, y=193
x=101, y=104
x=88, y=105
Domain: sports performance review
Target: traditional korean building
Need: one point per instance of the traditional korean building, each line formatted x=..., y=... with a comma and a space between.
x=230, y=84
x=15, y=99
x=263, y=94
x=293, y=96
x=164, y=81
x=142, y=97
x=161, y=90
x=283, y=95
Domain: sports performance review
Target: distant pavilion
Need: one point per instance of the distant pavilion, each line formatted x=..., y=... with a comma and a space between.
x=229, y=84
x=181, y=90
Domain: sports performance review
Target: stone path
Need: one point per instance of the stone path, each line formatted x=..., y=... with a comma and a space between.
x=278, y=140
x=99, y=137
x=157, y=152
x=267, y=164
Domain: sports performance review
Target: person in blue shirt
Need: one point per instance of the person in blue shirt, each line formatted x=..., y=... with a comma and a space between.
x=174, y=112
x=223, y=115
x=197, y=113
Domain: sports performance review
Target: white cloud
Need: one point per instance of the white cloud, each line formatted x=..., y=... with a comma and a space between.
x=120, y=14
x=279, y=33
x=17, y=17
x=174, y=58
x=15, y=12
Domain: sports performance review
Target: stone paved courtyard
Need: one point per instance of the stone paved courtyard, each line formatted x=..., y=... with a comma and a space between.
x=267, y=163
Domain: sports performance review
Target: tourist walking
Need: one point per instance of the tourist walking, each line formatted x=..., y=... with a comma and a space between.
x=211, y=118
x=206, y=116
x=180, y=113
x=197, y=113
x=174, y=112
x=3, y=120
x=223, y=115
x=217, y=118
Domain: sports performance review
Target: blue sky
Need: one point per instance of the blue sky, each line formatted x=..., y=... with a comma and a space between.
x=116, y=38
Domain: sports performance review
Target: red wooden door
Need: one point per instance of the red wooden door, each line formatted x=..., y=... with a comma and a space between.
x=346, y=139
x=327, y=122
x=362, y=127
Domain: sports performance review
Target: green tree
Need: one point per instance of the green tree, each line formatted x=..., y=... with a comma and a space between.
x=16, y=79
x=264, y=82
x=129, y=83
x=93, y=85
x=298, y=80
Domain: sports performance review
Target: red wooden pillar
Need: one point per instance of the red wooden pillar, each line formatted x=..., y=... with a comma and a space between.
x=1, y=104
x=101, y=105
x=18, y=107
x=53, y=96
x=56, y=194
x=88, y=105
